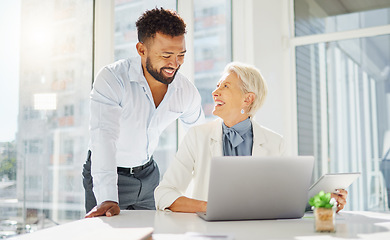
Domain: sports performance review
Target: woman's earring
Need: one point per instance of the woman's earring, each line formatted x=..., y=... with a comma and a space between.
x=242, y=111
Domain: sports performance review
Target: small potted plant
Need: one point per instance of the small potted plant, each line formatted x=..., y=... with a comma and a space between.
x=324, y=209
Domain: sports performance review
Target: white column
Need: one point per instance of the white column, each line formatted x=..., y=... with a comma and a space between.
x=104, y=34
x=242, y=31
x=261, y=36
x=186, y=11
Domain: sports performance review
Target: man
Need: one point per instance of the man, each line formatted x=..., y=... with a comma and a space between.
x=132, y=102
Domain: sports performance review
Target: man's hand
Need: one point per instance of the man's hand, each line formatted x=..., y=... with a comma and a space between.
x=107, y=208
x=341, y=197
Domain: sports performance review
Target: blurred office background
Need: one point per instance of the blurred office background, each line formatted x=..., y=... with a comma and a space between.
x=327, y=64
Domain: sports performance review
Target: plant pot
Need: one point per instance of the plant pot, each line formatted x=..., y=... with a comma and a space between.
x=325, y=219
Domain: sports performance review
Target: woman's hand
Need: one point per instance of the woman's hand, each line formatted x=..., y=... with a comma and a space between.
x=341, y=197
x=184, y=204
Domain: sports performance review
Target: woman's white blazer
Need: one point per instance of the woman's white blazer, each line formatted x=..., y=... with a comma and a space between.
x=192, y=160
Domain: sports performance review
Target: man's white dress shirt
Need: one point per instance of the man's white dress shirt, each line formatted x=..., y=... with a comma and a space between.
x=125, y=124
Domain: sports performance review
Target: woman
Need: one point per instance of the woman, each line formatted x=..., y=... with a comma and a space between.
x=240, y=92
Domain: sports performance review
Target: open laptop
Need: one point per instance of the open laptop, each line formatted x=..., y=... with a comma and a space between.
x=247, y=187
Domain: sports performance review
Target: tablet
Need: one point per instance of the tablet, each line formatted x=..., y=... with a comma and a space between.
x=332, y=181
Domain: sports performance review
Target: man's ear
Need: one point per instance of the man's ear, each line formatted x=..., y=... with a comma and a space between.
x=141, y=49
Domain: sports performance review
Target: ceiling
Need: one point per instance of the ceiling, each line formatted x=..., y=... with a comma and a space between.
x=338, y=7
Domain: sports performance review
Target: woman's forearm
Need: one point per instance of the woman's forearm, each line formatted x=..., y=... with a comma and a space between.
x=184, y=204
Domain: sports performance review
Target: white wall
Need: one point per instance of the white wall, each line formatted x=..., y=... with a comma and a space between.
x=261, y=37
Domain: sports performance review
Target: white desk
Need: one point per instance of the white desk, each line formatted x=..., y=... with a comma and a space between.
x=349, y=225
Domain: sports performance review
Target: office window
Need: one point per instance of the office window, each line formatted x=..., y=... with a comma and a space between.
x=343, y=106
x=318, y=16
x=68, y=151
x=48, y=90
x=212, y=46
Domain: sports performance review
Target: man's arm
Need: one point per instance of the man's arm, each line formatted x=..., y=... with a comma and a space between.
x=105, y=106
x=193, y=115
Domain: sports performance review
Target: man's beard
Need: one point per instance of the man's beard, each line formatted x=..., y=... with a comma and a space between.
x=159, y=76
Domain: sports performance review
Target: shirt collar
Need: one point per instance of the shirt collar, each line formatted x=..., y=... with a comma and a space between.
x=137, y=75
x=135, y=71
x=241, y=128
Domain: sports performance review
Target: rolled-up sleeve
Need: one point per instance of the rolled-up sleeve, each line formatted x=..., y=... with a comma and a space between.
x=106, y=110
x=179, y=174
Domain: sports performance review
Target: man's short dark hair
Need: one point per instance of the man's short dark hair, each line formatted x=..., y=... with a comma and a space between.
x=161, y=20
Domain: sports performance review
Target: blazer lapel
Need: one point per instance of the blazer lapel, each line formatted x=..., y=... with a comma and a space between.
x=216, y=139
x=258, y=140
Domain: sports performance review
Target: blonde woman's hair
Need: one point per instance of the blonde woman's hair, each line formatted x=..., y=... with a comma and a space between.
x=251, y=81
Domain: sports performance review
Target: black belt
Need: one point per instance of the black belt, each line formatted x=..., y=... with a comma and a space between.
x=134, y=169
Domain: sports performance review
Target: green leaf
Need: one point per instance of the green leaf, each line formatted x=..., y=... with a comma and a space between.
x=321, y=200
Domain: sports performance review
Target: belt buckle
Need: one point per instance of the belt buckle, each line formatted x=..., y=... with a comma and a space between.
x=131, y=170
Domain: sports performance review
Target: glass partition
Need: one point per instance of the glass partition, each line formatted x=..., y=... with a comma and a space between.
x=50, y=142
x=346, y=86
